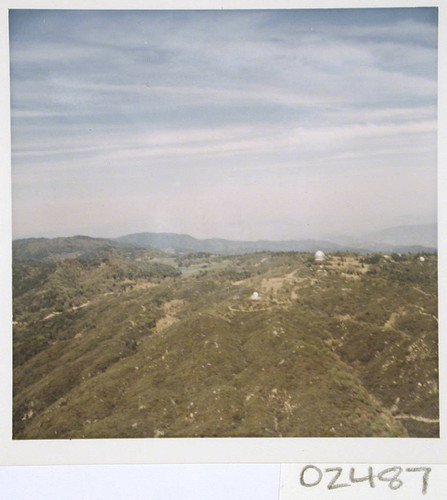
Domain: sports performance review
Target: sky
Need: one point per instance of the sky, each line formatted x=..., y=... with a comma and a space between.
x=252, y=124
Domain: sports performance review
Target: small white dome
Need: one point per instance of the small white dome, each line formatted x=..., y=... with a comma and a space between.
x=255, y=296
x=422, y=259
x=319, y=255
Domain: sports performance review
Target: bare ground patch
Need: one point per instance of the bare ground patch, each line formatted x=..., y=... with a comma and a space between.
x=170, y=309
x=392, y=320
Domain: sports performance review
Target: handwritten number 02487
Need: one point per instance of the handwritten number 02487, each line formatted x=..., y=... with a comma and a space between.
x=390, y=475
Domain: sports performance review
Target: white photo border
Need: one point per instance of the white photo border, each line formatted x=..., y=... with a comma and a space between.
x=210, y=450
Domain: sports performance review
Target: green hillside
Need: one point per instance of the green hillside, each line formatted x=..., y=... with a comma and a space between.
x=123, y=344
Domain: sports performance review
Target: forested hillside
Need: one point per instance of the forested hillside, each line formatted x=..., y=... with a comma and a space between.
x=113, y=341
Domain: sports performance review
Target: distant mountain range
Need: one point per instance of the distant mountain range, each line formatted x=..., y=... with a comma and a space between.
x=185, y=243
x=422, y=234
x=402, y=239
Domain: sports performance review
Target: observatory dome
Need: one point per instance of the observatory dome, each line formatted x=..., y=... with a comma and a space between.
x=319, y=255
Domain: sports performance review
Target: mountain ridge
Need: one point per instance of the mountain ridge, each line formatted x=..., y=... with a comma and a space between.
x=185, y=242
x=423, y=234
x=401, y=239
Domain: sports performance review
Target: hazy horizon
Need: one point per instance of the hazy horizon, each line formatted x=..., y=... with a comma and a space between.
x=241, y=125
x=334, y=238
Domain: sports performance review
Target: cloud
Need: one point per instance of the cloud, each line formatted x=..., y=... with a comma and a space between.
x=120, y=102
x=222, y=141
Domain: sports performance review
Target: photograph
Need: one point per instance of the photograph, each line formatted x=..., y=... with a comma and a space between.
x=224, y=223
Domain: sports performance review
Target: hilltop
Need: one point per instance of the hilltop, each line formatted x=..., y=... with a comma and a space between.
x=130, y=342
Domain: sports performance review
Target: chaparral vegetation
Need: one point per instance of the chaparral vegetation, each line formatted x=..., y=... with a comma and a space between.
x=112, y=340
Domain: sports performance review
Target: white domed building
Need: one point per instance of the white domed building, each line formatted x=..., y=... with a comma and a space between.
x=319, y=256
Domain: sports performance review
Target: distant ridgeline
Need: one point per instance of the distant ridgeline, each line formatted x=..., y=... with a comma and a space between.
x=402, y=239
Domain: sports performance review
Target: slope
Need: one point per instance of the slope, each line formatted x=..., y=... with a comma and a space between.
x=342, y=349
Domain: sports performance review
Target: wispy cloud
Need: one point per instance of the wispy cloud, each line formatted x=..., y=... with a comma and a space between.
x=204, y=142
x=165, y=96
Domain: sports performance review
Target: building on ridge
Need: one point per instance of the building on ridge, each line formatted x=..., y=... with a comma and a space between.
x=319, y=256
